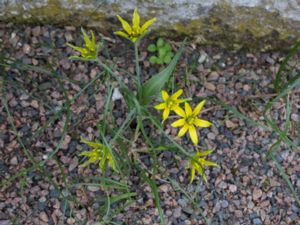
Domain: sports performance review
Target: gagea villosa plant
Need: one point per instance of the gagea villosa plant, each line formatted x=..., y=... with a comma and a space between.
x=118, y=148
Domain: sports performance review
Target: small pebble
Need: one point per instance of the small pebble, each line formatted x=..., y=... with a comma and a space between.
x=232, y=188
x=257, y=193
x=177, y=212
x=210, y=86
x=213, y=76
x=257, y=221
x=44, y=217
x=14, y=160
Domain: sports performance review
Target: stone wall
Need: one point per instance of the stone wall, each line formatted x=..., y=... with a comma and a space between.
x=253, y=24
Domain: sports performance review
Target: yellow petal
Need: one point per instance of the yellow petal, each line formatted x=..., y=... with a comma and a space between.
x=86, y=38
x=177, y=94
x=198, y=108
x=164, y=95
x=160, y=106
x=208, y=163
x=201, y=172
x=134, y=39
x=146, y=25
x=121, y=33
x=204, y=153
x=183, y=130
x=178, y=123
x=193, y=134
x=166, y=113
x=188, y=109
x=125, y=25
x=202, y=123
x=179, y=111
x=92, y=47
x=79, y=49
x=192, y=174
x=95, y=145
x=136, y=20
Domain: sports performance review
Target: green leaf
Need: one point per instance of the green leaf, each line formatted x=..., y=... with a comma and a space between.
x=153, y=59
x=171, y=54
x=162, y=53
x=167, y=59
x=151, y=48
x=160, y=42
x=168, y=47
x=159, y=61
x=156, y=83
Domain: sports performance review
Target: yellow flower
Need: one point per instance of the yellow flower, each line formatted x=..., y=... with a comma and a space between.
x=189, y=120
x=170, y=103
x=90, y=49
x=135, y=32
x=197, y=163
x=99, y=153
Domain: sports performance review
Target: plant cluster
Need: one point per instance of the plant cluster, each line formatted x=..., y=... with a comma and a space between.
x=188, y=119
x=163, y=50
x=117, y=151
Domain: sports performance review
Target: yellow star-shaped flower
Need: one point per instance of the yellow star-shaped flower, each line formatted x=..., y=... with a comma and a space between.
x=190, y=120
x=197, y=163
x=170, y=103
x=90, y=49
x=100, y=153
x=135, y=32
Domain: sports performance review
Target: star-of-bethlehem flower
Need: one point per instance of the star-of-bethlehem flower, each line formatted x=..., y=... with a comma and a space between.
x=90, y=49
x=197, y=163
x=135, y=32
x=171, y=103
x=99, y=153
x=190, y=121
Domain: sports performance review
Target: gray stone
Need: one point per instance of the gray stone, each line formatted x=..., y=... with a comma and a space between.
x=257, y=221
x=235, y=23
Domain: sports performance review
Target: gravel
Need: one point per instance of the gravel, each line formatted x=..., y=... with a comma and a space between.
x=246, y=189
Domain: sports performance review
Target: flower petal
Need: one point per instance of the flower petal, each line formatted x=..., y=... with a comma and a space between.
x=134, y=39
x=136, y=21
x=125, y=25
x=192, y=174
x=201, y=172
x=198, y=108
x=177, y=94
x=164, y=95
x=179, y=111
x=178, y=123
x=202, y=123
x=121, y=33
x=188, y=109
x=87, y=41
x=208, y=163
x=204, y=153
x=146, y=25
x=160, y=106
x=183, y=130
x=193, y=134
x=79, y=49
x=92, y=144
x=166, y=113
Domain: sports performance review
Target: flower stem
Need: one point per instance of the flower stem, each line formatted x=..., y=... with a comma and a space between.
x=137, y=67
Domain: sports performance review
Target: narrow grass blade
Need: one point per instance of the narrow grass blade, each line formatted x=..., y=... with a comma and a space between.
x=278, y=78
x=156, y=197
x=284, y=91
x=286, y=178
x=239, y=115
x=177, y=187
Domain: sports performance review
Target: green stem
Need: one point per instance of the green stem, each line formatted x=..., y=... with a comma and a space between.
x=137, y=67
